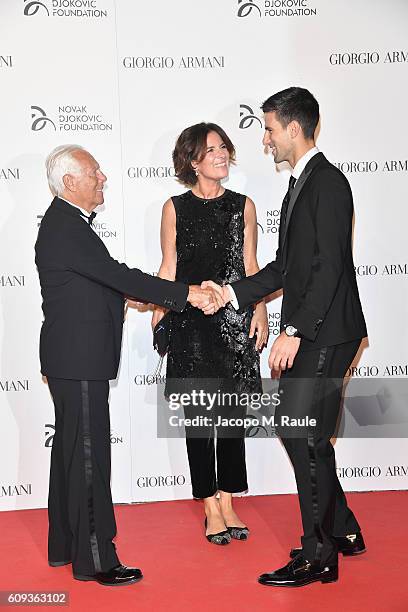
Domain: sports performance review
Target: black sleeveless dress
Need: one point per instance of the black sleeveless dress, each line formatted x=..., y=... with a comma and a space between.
x=210, y=246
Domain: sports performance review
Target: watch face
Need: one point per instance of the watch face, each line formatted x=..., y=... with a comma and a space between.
x=290, y=330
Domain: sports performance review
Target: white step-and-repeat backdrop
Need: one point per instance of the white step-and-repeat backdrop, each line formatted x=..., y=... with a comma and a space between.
x=122, y=79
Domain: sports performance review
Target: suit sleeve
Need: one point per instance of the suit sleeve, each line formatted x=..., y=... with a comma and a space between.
x=96, y=264
x=253, y=288
x=333, y=222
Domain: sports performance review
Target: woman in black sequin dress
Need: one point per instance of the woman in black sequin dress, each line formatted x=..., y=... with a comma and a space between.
x=210, y=232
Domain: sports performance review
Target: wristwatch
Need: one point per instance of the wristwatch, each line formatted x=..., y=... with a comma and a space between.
x=291, y=331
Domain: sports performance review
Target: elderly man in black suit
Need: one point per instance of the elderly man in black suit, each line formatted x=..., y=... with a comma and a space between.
x=83, y=291
x=322, y=324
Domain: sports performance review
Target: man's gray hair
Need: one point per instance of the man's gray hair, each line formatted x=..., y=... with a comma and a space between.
x=59, y=162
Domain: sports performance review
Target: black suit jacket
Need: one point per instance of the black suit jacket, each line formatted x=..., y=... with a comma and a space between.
x=83, y=290
x=314, y=261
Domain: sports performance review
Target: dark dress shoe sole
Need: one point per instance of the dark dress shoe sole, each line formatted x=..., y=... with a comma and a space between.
x=293, y=585
x=58, y=563
x=353, y=553
x=85, y=578
x=124, y=583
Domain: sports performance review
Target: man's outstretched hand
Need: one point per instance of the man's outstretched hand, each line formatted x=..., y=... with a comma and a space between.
x=223, y=291
x=209, y=300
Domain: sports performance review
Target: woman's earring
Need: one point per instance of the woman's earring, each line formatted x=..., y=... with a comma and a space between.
x=196, y=171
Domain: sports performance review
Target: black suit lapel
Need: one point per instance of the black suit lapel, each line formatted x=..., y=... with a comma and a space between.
x=310, y=166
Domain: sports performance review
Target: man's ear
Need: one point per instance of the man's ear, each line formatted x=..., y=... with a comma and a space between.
x=294, y=128
x=69, y=182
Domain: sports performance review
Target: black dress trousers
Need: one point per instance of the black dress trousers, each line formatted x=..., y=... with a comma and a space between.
x=313, y=388
x=81, y=517
x=216, y=451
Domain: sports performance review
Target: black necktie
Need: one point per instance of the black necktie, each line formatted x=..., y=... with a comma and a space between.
x=285, y=203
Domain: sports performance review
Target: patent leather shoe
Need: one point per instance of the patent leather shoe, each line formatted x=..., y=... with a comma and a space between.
x=350, y=545
x=299, y=572
x=117, y=576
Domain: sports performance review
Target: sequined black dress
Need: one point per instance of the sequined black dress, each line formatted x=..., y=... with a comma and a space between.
x=204, y=349
x=210, y=244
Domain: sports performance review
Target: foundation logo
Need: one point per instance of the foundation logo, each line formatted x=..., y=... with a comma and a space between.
x=40, y=119
x=275, y=8
x=69, y=118
x=31, y=7
x=247, y=117
x=49, y=435
x=246, y=8
x=64, y=8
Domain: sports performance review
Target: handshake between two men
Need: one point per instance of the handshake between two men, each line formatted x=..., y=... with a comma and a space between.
x=209, y=297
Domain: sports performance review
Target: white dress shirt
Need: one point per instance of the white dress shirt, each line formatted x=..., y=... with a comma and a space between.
x=296, y=172
x=301, y=163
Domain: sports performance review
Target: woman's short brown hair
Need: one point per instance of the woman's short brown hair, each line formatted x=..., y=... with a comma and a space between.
x=191, y=145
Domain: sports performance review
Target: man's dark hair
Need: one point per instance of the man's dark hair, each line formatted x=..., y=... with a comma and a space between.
x=294, y=104
x=192, y=145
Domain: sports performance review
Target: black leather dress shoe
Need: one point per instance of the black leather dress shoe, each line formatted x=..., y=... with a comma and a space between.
x=300, y=572
x=58, y=563
x=349, y=546
x=117, y=576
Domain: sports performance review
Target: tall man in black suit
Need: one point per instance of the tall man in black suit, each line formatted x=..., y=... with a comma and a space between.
x=83, y=290
x=322, y=324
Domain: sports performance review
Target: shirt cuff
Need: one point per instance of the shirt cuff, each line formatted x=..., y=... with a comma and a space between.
x=233, y=299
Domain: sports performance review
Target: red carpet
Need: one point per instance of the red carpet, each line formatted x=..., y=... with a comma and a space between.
x=185, y=572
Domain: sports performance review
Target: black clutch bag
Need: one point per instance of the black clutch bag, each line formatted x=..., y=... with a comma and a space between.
x=161, y=335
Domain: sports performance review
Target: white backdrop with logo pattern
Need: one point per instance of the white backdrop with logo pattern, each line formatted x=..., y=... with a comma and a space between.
x=123, y=79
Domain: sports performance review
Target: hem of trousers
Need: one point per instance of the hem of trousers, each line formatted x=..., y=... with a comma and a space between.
x=225, y=490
